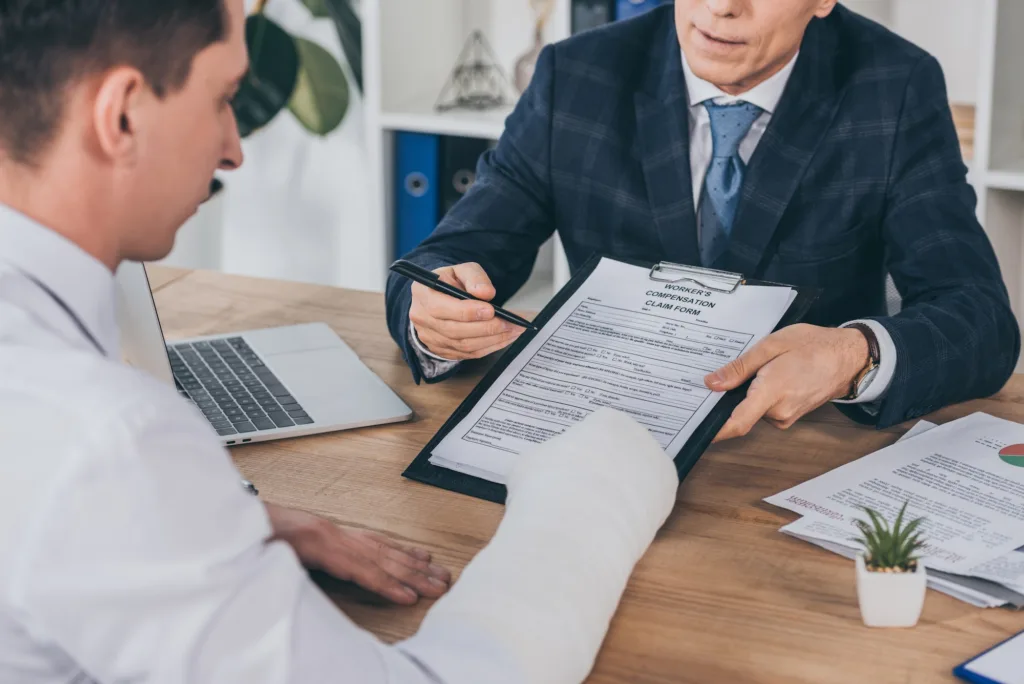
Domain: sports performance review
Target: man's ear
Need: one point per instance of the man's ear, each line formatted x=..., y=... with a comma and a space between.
x=119, y=111
x=825, y=8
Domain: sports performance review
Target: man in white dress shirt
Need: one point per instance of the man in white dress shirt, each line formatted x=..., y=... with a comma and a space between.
x=129, y=552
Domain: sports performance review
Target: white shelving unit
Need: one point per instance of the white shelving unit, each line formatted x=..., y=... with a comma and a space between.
x=412, y=45
x=978, y=44
x=410, y=48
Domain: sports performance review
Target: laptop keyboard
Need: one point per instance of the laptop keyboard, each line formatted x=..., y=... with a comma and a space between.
x=233, y=388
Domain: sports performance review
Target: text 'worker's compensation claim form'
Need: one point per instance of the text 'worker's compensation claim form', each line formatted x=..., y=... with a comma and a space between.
x=622, y=340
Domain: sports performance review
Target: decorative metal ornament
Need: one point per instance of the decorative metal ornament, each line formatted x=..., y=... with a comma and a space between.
x=477, y=82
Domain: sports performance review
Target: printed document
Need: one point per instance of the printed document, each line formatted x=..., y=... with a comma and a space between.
x=622, y=340
x=966, y=478
x=1003, y=576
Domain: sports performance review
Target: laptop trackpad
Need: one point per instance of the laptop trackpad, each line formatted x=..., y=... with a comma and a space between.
x=295, y=338
x=320, y=374
x=334, y=385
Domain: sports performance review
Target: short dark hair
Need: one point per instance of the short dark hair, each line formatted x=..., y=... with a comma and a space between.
x=47, y=45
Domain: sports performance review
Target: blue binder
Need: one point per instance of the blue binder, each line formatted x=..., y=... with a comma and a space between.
x=624, y=9
x=417, y=196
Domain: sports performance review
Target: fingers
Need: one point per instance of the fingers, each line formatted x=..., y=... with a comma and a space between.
x=737, y=372
x=472, y=348
x=415, y=574
x=379, y=565
x=411, y=569
x=373, y=577
x=758, y=402
x=371, y=560
x=498, y=347
x=468, y=331
x=413, y=557
x=440, y=306
x=470, y=277
x=797, y=370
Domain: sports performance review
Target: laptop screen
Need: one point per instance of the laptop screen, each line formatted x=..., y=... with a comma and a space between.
x=142, y=338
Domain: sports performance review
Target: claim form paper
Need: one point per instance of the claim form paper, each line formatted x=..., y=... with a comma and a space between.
x=622, y=340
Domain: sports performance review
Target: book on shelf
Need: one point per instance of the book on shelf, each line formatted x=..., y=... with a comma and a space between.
x=963, y=119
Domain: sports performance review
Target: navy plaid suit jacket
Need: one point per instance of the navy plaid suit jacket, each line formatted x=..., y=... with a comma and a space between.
x=858, y=174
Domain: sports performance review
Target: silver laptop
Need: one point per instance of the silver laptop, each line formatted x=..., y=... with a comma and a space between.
x=258, y=385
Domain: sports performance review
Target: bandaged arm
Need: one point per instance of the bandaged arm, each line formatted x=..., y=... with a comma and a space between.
x=536, y=603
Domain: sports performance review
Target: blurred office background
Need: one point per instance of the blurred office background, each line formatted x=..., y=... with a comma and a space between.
x=337, y=209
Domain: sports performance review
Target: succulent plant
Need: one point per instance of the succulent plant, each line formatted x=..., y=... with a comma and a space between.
x=890, y=549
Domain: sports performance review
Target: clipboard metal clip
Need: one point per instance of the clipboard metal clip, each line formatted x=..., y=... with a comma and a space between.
x=708, y=278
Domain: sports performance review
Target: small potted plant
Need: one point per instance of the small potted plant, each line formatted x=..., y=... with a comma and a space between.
x=891, y=580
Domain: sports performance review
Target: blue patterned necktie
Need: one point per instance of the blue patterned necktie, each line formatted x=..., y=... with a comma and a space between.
x=724, y=180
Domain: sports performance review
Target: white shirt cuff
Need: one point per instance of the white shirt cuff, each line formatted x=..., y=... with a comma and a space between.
x=876, y=389
x=431, y=364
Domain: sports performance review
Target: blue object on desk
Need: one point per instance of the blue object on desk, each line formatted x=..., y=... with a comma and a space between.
x=624, y=9
x=417, y=197
x=1001, y=664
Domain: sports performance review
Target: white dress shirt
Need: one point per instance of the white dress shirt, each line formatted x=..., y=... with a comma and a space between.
x=765, y=95
x=129, y=551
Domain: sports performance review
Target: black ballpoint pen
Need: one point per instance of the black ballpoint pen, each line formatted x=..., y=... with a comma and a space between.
x=433, y=281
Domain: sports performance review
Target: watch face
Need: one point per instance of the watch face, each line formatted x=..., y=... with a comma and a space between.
x=862, y=386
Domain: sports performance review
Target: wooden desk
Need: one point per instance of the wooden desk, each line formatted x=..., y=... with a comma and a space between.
x=721, y=596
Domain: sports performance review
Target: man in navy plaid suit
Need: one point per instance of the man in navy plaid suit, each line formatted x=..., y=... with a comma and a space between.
x=789, y=140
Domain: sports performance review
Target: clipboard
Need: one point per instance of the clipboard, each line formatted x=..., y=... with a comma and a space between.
x=964, y=672
x=421, y=470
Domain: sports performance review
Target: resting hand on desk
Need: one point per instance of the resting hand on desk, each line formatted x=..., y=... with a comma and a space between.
x=795, y=370
x=370, y=560
x=459, y=330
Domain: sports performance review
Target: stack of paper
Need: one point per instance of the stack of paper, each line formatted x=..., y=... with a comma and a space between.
x=966, y=478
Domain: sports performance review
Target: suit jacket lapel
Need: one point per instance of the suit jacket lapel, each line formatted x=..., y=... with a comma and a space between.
x=806, y=110
x=663, y=136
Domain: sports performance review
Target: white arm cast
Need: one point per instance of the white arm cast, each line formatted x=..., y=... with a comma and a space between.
x=536, y=603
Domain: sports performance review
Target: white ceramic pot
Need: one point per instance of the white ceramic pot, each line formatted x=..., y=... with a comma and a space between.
x=890, y=599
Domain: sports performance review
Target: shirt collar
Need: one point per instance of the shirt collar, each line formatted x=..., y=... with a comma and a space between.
x=81, y=281
x=765, y=95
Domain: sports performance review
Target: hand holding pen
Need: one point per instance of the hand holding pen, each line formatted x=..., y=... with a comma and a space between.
x=452, y=314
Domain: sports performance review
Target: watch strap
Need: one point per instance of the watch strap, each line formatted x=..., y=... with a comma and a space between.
x=874, y=358
x=874, y=350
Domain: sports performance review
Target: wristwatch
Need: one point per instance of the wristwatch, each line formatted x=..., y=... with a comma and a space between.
x=868, y=373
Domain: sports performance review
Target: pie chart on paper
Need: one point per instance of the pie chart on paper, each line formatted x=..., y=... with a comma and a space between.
x=1013, y=454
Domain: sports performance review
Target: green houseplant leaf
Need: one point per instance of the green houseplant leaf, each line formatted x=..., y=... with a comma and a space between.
x=349, y=29
x=318, y=8
x=321, y=96
x=272, y=76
